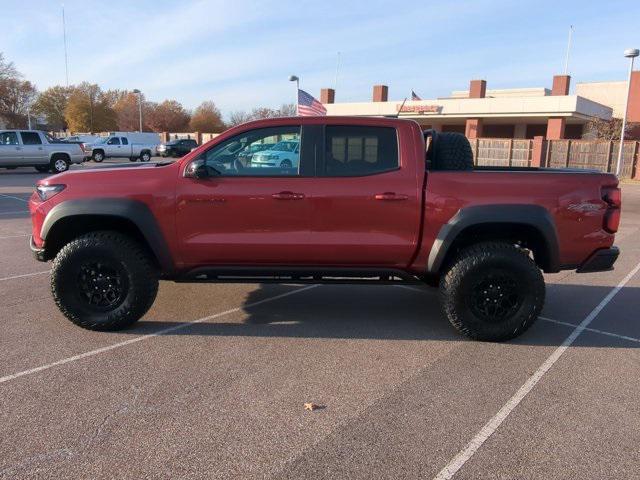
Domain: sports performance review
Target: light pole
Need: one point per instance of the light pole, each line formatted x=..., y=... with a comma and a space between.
x=629, y=53
x=139, y=105
x=293, y=78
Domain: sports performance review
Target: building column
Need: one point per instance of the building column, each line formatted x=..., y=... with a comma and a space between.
x=380, y=93
x=555, y=128
x=473, y=126
x=327, y=95
x=556, y=125
x=538, y=152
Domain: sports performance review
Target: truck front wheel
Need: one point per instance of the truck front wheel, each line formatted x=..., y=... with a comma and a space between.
x=103, y=281
x=492, y=291
x=98, y=156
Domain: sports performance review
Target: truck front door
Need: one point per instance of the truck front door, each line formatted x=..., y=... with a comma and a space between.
x=33, y=151
x=367, y=198
x=113, y=147
x=246, y=215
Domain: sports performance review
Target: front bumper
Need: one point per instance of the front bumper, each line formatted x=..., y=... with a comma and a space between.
x=38, y=252
x=600, y=261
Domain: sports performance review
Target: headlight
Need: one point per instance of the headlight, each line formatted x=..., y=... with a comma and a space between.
x=45, y=192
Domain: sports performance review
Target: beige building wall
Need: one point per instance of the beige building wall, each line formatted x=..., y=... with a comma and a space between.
x=607, y=93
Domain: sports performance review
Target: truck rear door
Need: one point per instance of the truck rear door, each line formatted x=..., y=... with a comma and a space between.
x=10, y=149
x=367, y=197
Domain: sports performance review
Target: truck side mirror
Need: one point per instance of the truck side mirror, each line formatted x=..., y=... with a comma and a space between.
x=200, y=170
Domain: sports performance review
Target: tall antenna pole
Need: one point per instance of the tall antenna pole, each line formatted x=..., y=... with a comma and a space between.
x=335, y=83
x=64, y=34
x=566, y=60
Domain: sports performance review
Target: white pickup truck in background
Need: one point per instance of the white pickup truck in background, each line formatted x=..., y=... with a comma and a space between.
x=131, y=145
x=33, y=148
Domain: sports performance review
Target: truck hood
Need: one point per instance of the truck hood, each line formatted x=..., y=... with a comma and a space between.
x=120, y=171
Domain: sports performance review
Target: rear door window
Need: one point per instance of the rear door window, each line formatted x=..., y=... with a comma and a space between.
x=357, y=151
x=30, y=138
x=125, y=141
x=8, y=138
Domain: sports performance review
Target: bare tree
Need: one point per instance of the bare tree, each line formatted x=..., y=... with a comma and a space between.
x=609, y=130
x=238, y=117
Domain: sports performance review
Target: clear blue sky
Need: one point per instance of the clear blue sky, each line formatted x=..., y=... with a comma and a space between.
x=239, y=53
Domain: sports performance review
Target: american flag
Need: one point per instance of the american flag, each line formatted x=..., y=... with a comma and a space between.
x=414, y=97
x=309, y=106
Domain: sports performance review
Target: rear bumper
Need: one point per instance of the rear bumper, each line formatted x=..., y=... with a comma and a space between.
x=600, y=261
x=38, y=252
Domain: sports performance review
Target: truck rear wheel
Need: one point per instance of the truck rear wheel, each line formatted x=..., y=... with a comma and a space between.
x=492, y=291
x=103, y=281
x=145, y=156
x=59, y=164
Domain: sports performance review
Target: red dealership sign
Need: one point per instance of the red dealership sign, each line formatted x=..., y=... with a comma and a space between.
x=419, y=108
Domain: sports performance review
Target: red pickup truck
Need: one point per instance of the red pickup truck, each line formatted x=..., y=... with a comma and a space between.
x=347, y=200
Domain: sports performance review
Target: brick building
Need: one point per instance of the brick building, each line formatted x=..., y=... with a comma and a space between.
x=506, y=113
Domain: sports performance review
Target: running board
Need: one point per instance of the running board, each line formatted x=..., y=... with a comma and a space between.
x=297, y=275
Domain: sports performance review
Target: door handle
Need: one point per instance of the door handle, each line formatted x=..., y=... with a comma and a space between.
x=288, y=196
x=390, y=196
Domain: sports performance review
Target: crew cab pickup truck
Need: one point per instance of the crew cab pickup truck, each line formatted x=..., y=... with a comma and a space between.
x=131, y=145
x=370, y=200
x=33, y=148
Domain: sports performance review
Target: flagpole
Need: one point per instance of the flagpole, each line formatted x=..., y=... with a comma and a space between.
x=566, y=60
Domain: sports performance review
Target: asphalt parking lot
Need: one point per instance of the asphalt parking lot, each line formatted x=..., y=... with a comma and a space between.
x=212, y=382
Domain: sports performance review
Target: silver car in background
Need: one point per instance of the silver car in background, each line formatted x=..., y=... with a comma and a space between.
x=34, y=148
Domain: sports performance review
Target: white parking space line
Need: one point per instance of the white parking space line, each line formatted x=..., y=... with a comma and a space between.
x=492, y=425
x=14, y=212
x=14, y=198
x=13, y=277
x=593, y=330
x=15, y=236
x=140, y=338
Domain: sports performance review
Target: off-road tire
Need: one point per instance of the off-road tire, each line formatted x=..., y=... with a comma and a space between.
x=113, y=248
x=59, y=160
x=451, y=151
x=98, y=156
x=475, y=267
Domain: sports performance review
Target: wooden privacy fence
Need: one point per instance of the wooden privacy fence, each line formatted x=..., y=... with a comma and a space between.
x=598, y=155
x=592, y=154
x=502, y=152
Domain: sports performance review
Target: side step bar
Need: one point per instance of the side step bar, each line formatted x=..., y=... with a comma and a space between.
x=310, y=275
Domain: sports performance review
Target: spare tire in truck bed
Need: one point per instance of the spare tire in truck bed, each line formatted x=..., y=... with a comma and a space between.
x=450, y=151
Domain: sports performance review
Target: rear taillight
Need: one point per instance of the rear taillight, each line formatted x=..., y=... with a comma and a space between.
x=613, y=197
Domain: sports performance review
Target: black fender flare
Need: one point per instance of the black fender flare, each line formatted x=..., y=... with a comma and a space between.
x=534, y=216
x=132, y=210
